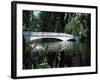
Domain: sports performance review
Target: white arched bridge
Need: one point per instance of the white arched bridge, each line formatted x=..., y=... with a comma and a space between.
x=38, y=35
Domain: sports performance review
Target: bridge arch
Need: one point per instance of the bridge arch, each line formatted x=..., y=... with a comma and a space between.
x=52, y=38
x=59, y=38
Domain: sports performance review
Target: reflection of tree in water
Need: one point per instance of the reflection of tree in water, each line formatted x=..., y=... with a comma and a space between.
x=77, y=59
x=50, y=59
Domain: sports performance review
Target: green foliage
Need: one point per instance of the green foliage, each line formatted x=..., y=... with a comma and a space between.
x=27, y=62
x=79, y=25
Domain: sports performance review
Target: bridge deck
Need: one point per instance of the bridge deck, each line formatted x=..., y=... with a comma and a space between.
x=53, y=34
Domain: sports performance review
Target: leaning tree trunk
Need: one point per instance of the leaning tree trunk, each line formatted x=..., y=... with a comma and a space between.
x=60, y=25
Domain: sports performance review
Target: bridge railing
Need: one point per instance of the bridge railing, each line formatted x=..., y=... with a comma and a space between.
x=47, y=34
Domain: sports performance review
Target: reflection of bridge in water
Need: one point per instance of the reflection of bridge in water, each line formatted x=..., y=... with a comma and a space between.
x=38, y=35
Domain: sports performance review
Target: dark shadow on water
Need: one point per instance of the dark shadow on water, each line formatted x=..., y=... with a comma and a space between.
x=55, y=60
x=48, y=40
x=72, y=40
